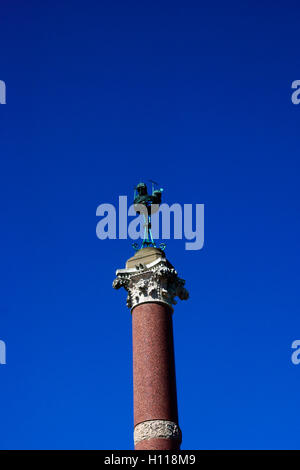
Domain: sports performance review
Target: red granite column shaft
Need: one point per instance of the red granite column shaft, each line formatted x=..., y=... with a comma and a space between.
x=154, y=379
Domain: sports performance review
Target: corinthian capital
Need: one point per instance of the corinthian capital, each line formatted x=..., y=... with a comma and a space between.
x=149, y=277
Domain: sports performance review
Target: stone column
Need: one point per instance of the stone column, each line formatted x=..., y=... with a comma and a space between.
x=152, y=285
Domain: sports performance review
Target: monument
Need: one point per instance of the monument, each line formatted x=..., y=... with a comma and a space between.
x=152, y=284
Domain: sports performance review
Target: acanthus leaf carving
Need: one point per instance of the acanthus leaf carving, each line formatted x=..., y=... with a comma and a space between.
x=152, y=283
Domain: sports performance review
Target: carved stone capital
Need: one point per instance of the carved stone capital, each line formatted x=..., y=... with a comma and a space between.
x=156, y=429
x=156, y=281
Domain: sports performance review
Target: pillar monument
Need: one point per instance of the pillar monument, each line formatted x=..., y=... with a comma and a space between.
x=152, y=284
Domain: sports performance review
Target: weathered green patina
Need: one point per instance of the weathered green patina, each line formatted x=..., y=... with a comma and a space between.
x=147, y=204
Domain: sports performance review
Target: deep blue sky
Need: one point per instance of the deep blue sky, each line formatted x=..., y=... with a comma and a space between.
x=197, y=96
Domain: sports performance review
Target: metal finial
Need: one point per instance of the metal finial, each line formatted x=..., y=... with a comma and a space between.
x=150, y=203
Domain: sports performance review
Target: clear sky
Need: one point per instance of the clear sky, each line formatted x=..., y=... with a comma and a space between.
x=195, y=95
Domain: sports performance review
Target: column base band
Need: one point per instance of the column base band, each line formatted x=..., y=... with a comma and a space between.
x=156, y=429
